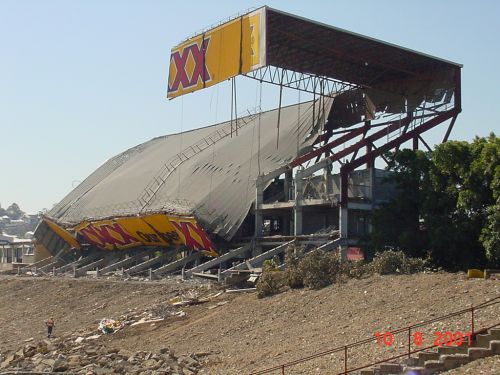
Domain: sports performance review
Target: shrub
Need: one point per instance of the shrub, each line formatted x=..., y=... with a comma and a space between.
x=390, y=262
x=414, y=265
x=320, y=268
x=270, y=282
x=270, y=264
x=358, y=269
x=293, y=273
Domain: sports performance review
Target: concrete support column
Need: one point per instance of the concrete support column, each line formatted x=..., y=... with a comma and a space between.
x=259, y=200
x=371, y=181
x=327, y=175
x=288, y=184
x=344, y=197
x=298, y=204
x=343, y=221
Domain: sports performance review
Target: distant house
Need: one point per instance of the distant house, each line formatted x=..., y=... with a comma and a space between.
x=15, y=251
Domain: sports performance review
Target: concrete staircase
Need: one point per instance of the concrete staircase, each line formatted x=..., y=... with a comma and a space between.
x=445, y=358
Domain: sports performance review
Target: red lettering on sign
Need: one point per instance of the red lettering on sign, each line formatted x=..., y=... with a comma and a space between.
x=90, y=233
x=186, y=227
x=126, y=238
x=200, y=70
x=107, y=234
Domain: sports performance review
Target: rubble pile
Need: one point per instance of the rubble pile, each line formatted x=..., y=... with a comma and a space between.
x=77, y=355
x=84, y=351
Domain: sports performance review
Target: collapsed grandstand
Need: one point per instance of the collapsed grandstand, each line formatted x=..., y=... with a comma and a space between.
x=222, y=199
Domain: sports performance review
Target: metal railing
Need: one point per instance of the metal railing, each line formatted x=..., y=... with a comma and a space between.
x=407, y=331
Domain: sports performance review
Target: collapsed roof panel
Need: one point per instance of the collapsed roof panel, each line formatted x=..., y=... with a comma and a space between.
x=209, y=173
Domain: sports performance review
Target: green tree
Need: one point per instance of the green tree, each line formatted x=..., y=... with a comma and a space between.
x=447, y=204
x=14, y=212
x=397, y=222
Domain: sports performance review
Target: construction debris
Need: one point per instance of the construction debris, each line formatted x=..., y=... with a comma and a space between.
x=68, y=355
x=109, y=325
x=192, y=298
x=243, y=290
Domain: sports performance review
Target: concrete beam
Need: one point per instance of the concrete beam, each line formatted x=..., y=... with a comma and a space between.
x=332, y=245
x=83, y=270
x=259, y=259
x=77, y=263
x=40, y=263
x=175, y=265
x=48, y=267
x=121, y=263
x=216, y=261
x=146, y=264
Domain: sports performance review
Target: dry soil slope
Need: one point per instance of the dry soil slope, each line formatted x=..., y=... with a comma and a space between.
x=248, y=334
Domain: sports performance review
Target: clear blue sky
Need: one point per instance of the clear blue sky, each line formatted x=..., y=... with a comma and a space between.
x=81, y=81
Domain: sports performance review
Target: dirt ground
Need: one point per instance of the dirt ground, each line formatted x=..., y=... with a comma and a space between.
x=247, y=334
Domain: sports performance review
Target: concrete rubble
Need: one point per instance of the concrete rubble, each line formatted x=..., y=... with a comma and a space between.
x=87, y=350
x=81, y=351
x=73, y=355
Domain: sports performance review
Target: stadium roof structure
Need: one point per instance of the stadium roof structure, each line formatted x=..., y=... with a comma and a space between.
x=211, y=177
x=369, y=97
x=307, y=46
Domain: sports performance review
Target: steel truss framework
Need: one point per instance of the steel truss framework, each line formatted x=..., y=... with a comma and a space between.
x=363, y=144
x=305, y=82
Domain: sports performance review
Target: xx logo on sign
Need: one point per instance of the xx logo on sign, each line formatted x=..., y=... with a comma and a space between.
x=187, y=75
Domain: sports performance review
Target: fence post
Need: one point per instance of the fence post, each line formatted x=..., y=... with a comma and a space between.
x=409, y=341
x=345, y=359
x=283, y=370
x=472, y=319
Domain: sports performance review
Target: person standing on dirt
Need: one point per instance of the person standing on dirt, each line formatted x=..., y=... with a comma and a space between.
x=50, y=326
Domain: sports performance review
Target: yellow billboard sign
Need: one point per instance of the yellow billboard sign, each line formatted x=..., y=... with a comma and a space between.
x=235, y=47
x=150, y=230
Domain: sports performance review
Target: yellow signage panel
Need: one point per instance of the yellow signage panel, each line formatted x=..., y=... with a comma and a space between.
x=235, y=47
x=150, y=230
x=63, y=233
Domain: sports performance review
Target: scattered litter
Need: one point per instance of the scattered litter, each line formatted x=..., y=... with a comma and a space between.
x=242, y=290
x=109, y=325
x=79, y=339
x=144, y=320
x=191, y=298
x=222, y=303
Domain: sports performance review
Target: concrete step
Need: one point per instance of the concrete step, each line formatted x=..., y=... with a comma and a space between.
x=483, y=341
x=427, y=356
x=495, y=347
x=411, y=361
x=390, y=368
x=454, y=360
x=367, y=371
x=476, y=353
x=495, y=333
x=462, y=349
x=415, y=370
x=433, y=366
